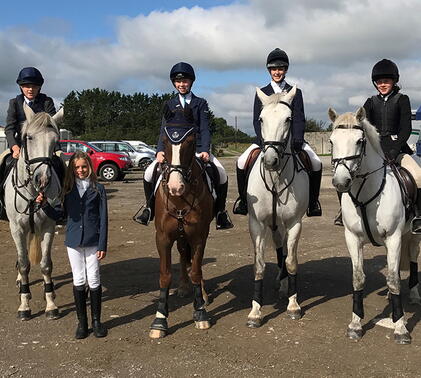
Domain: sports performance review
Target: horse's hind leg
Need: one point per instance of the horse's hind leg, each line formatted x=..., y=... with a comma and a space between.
x=257, y=232
x=393, y=247
x=46, y=265
x=24, y=311
x=414, y=251
x=293, y=235
x=355, y=248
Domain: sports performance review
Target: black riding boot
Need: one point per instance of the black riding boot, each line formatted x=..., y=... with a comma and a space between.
x=240, y=206
x=338, y=219
x=416, y=221
x=314, y=208
x=222, y=219
x=149, y=211
x=79, y=293
x=96, y=298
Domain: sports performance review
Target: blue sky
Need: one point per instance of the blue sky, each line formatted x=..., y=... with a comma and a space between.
x=130, y=46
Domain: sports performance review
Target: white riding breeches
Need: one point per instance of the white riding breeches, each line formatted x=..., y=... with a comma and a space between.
x=316, y=163
x=221, y=170
x=85, y=266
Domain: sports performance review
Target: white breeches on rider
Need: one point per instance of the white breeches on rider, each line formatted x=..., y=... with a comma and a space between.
x=221, y=170
x=315, y=160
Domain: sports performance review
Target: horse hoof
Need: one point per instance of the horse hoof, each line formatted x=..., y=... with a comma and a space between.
x=52, y=314
x=294, y=315
x=157, y=333
x=354, y=334
x=24, y=315
x=254, y=323
x=402, y=339
x=204, y=324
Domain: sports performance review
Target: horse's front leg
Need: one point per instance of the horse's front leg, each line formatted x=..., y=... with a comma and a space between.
x=46, y=265
x=393, y=247
x=257, y=233
x=291, y=262
x=184, y=286
x=159, y=326
x=355, y=248
x=281, y=280
x=200, y=315
x=23, y=266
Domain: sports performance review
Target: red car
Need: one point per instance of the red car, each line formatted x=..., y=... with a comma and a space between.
x=109, y=166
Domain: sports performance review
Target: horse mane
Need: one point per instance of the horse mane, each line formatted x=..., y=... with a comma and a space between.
x=348, y=120
x=39, y=122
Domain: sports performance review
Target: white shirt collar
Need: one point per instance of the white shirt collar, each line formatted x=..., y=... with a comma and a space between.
x=186, y=98
x=82, y=185
x=278, y=88
x=27, y=100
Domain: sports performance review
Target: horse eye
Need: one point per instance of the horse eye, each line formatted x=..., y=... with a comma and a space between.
x=260, y=119
x=289, y=119
x=359, y=141
x=28, y=137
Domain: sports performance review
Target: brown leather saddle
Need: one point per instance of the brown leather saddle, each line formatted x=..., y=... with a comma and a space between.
x=408, y=187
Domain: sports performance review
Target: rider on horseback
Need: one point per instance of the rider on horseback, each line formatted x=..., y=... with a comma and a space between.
x=182, y=76
x=30, y=81
x=277, y=64
x=390, y=112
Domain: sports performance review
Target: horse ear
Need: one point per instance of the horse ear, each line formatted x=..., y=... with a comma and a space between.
x=262, y=97
x=361, y=115
x=58, y=117
x=291, y=94
x=332, y=114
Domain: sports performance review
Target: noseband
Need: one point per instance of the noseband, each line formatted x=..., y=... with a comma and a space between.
x=278, y=146
x=359, y=157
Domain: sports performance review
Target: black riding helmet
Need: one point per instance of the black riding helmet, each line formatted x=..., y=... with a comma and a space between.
x=30, y=75
x=385, y=69
x=277, y=58
x=182, y=70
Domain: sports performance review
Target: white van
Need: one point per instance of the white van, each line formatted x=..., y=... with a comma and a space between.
x=416, y=127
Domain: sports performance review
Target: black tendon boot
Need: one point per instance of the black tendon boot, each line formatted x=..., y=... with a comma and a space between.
x=314, y=208
x=79, y=293
x=96, y=298
x=222, y=219
x=149, y=211
x=338, y=219
x=416, y=221
x=240, y=206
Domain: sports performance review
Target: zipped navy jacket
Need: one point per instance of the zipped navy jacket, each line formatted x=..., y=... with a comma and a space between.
x=298, y=122
x=16, y=115
x=87, y=217
x=200, y=110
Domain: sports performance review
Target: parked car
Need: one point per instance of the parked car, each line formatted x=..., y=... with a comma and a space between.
x=141, y=158
x=140, y=146
x=108, y=166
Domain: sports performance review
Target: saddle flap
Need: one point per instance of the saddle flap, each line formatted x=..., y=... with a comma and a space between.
x=252, y=158
x=305, y=160
x=408, y=183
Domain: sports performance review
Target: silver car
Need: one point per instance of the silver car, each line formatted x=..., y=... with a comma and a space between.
x=140, y=159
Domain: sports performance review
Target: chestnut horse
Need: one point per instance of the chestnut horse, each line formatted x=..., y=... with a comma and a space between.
x=183, y=213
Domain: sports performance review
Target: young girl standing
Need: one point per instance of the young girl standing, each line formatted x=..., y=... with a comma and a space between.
x=84, y=204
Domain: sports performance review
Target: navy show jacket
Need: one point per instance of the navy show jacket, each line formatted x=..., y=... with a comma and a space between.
x=298, y=122
x=200, y=109
x=16, y=115
x=87, y=217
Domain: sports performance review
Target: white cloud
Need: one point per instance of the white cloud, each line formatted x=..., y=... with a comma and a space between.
x=332, y=46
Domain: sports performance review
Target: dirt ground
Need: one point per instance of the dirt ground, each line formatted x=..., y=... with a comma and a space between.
x=314, y=346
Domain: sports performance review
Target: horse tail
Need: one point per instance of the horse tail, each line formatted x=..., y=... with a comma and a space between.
x=34, y=246
x=405, y=254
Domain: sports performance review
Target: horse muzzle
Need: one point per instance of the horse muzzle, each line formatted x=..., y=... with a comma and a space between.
x=342, y=183
x=271, y=160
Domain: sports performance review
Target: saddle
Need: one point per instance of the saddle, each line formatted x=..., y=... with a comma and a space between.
x=6, y=166
x=408, y=188
x=251, y=160
x=305, y=161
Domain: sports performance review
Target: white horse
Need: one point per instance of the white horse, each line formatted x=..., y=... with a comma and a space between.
x=277, y=198
x=372, y=211
x=31, y=229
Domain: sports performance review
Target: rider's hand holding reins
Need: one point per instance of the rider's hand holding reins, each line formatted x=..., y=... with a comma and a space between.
x=41, y=199
x=204, y=156
x=160, y=157
x=15, y=151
